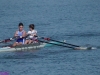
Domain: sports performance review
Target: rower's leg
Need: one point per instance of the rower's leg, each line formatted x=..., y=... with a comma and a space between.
x=15, y=44
x=27, y=41
x=20, y=43
x=30, y=41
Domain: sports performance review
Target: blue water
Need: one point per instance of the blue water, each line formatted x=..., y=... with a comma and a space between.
x=76, y=21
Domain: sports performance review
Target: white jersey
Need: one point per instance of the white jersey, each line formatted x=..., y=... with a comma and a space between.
x=32, y=33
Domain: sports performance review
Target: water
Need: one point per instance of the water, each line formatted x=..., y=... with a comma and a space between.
x=76, y=21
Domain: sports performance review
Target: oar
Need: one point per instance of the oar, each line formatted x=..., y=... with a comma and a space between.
x=75, y=48
x=59, y=41
x=56, y=44
x=11, y=39
x=7, y=40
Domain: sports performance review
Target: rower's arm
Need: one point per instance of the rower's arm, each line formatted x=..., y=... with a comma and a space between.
x=16, y=34
x=35, y=33
x=24, y=34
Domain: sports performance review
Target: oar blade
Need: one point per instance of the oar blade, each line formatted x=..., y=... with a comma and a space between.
x=85, y=48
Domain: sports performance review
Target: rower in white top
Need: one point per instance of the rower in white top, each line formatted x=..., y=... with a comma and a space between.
x=31, y=35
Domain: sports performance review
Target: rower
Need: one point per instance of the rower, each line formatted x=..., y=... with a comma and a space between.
x=20, y=34
x=32, y=33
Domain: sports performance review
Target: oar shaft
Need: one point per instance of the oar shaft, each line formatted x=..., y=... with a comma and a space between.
x=59, y=42
x=7, y=40
x=56, y=44
x=13, y=38
x=65, y=43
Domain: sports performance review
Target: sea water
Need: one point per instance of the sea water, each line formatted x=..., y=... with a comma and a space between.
x=76, y=21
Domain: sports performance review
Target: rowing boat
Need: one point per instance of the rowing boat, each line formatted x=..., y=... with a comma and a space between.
x=38, y=45
x=41, y=44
